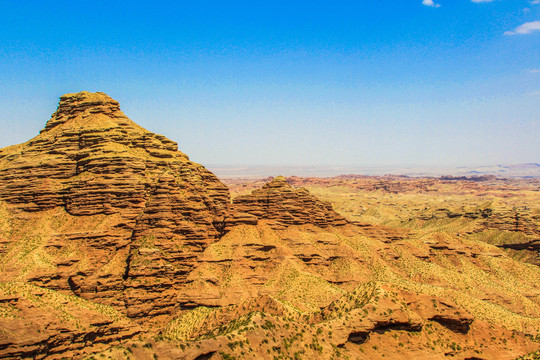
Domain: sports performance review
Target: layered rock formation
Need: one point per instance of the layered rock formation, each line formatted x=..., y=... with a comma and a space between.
x=128, y=212
x=503, y=212
x=281, y=206
x=111, y=236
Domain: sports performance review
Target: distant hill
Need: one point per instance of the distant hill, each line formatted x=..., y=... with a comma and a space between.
x=528, y=170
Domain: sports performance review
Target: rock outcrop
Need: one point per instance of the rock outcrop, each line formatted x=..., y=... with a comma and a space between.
x=128, y=212
x=501, y=211
x=281, y=205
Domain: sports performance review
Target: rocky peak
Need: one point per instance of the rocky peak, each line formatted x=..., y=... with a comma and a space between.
x=83, y=104
x=135, y=208
x=85, y=99
x=281, y=205
x=277, y=182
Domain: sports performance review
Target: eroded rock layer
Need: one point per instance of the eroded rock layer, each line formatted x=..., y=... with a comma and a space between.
x=114, y=245
x=282, y=205
x=37, y=323
x=130, y=211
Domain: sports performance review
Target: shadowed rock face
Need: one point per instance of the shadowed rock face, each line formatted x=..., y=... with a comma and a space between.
x=283, y=206
x=136, y=209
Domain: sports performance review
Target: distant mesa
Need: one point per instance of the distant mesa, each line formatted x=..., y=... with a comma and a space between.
x=532, y=166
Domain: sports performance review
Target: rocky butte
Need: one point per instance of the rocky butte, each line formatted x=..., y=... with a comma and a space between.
x=113, y=244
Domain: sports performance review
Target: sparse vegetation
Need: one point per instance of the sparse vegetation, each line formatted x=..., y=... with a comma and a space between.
x=305, y=292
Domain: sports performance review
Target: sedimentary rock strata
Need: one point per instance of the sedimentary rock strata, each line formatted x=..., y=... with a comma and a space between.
x=282, y=205
x=111, y=241
x=37, y=323
x=130, y=211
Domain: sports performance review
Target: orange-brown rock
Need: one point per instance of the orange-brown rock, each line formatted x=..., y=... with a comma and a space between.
x=282, y=205
x=123, y=213
x=375, y=320
x=500, y=211
x=37, y=323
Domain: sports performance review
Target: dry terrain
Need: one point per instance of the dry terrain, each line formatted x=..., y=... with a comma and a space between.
x=501, y=211
x=114, y=245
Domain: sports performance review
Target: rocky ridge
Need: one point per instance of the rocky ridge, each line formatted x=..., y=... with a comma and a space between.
x=503, y=212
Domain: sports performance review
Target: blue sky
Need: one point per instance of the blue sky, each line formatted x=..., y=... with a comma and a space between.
x=416, y=82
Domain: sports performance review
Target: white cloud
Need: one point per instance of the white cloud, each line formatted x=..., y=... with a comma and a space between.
x=534, y=71
x=535, y=2
x=430, y=3
x=526, y=28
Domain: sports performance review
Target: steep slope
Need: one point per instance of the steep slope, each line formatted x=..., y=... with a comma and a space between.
x=99, y=207
x=319, y=292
